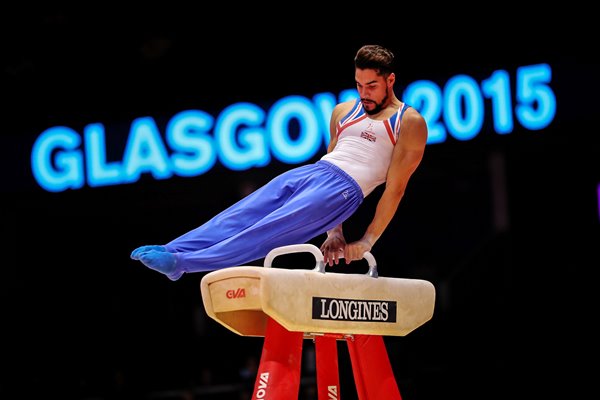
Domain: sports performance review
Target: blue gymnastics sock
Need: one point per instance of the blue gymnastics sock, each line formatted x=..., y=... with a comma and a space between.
x=135, y=254
x=161, y=261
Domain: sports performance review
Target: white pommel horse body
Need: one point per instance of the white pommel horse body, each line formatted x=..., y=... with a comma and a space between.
x=286, y=306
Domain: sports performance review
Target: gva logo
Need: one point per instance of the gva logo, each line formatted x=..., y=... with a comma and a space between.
x=235, y=293
x=262, y=386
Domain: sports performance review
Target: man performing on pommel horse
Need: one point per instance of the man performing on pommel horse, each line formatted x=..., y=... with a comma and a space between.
x=375, y=139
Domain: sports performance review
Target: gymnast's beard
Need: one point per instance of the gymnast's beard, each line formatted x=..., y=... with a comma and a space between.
x=378, y=106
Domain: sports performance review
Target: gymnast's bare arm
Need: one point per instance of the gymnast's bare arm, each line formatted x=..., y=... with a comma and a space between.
x=406, y=157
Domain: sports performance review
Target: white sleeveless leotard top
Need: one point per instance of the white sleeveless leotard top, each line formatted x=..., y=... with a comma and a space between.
x=364, y=146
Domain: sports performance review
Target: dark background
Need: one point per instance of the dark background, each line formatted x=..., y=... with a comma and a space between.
x=506, y=227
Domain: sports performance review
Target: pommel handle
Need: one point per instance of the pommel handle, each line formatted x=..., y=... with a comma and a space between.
x=320, y=260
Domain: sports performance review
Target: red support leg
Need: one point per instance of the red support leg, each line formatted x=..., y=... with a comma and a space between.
x=278, y=374
x=328, y=380
x=371, y=367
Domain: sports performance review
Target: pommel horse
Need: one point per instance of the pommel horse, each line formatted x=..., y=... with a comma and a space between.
x=286, y=306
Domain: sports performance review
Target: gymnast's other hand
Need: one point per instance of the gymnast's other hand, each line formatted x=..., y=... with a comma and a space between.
x=333, y=249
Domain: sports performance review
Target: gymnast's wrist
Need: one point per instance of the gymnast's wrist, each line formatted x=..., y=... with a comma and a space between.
x=335, y=233
x=370, y=240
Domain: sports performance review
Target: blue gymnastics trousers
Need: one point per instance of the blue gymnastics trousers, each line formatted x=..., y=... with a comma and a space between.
x=292, y=208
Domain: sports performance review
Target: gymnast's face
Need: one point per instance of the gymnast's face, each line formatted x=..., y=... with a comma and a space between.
x=374, y=90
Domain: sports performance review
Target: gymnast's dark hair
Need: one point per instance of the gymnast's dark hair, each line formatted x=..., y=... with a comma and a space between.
x=375, y=57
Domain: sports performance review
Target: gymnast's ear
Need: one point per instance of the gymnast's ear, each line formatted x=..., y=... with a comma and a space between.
x=391, y=79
